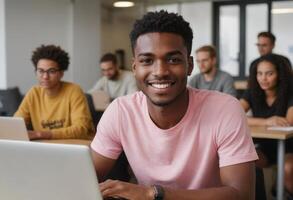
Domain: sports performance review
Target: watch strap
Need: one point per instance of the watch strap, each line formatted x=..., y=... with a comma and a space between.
x=159, y=192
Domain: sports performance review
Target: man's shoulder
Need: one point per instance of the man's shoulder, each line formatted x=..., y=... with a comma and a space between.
x=71, y=86
x=71, y=90
x=212, y=96
x=35, y=90
x=195, y=78
x=131, y=100
x=224, y=74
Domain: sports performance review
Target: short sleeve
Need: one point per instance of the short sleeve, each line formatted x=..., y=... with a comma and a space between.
x=233, y=139
x=229, y=86
x=107, y=140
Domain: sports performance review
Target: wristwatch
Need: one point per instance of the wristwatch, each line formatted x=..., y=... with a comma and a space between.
x=159, y=192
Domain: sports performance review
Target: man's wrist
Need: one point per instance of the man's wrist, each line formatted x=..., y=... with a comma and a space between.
x=158, y=192
x=150, y=193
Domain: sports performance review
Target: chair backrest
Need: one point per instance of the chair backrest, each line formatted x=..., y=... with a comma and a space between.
x=9, y=101
x=96, y=115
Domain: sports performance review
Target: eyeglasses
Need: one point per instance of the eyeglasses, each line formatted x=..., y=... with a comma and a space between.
x=49, y=72
x=261, y=45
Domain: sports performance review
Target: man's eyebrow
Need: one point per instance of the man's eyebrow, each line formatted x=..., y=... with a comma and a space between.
x=172, y=53
x=145, y=54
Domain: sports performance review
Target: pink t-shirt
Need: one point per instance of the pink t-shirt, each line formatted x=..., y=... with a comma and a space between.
x=212, y=134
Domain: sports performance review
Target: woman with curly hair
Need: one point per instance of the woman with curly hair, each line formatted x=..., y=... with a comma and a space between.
x=270, y=98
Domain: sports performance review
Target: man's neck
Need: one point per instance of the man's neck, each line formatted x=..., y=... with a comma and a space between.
x=116, y=76
x=168, y=116
x=210, y=75
x=53, y=91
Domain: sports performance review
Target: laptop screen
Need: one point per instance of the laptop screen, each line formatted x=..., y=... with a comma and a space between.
x=13, y=128
x=34, y=171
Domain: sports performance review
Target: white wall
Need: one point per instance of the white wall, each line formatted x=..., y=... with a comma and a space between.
x=199, y=15
x=72, y=24
x=29, y=24
x=86, y=42
x=3, y=83
x=117, y=24
x=282, y=28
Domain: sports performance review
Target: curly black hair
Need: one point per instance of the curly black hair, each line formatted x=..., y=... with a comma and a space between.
x=51, y=52
x=284, y=83
x=162, y=22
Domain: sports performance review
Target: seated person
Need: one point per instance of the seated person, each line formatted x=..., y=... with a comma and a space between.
x=115, y=82
x=211, y=77
x=265, y=45
x=270, y=98
x=181, y=143
x=55, y=109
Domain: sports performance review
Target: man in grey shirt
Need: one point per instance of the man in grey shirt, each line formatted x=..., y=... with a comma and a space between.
x=210, y=77
x=114, y=81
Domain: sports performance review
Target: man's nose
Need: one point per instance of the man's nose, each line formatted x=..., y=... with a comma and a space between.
x=160, y=68
x=45, y=75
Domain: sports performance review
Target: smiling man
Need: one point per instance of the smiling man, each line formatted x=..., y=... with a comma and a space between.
x=181, y=143
x=54, y=109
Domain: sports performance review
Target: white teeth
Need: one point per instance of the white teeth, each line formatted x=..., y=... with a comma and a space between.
x=161, y=86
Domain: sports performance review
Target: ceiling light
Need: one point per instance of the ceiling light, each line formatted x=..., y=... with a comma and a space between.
x=123, y=4
x=282, y=10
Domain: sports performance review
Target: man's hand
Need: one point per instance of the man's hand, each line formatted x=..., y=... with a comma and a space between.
x=36, y=135
x=277, y=121
x=115, y=188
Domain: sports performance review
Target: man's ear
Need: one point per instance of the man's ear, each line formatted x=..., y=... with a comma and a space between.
x=214, y=60
x=133, y=66
x=190, y=65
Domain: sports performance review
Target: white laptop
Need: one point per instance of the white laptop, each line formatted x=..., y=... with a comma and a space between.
x=43, y=171
x=13, y=128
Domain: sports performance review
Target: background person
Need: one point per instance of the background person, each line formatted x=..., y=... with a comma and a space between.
x=55, y=109
x=115, y=82
x=265, y=45
x=211, y=77
x=168, y=131
x=270, y=98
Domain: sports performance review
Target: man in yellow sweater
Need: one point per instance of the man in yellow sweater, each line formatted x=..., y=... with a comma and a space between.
x=55, y=109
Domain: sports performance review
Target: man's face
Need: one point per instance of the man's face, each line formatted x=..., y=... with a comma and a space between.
x=161, y=65
x=109, y=69
x=264, y=45
x=48, y=73
x=205, y=62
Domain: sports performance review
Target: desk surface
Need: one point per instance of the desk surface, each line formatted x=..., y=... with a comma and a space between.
x=262, y=132
x=68, y=141
x=240, y=85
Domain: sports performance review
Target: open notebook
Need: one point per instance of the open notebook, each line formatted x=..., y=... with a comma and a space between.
x=13, y=128
x=281, y=128
x=42, y=171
